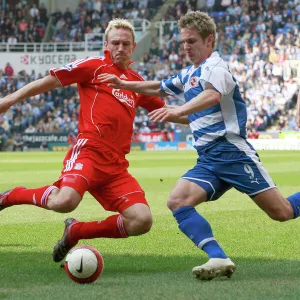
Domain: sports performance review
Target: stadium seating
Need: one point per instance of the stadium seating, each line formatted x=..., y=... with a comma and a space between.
x=259, y=39
x=258, y=47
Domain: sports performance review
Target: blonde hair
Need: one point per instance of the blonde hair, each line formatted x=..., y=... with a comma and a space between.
x=119, y=23
x=201, y=21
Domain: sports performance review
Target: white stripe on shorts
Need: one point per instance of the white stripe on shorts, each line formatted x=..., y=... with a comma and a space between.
x=75, y=152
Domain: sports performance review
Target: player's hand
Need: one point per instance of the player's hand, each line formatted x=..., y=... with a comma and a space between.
x=165, y=114
x=112, y=80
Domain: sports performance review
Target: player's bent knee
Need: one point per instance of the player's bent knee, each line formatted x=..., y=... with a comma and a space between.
x=64, y=202
x=282, y=213
x=63, y=206
x=143, y=225
x=280, y=216
x=67, y=205
x=137, y=220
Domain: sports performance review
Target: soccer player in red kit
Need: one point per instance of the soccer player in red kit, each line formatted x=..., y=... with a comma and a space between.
x=96, y=163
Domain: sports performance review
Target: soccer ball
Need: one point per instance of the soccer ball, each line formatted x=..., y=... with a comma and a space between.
x=84, y=264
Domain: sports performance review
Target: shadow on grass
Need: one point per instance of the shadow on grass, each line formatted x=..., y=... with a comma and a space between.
x=27, y=268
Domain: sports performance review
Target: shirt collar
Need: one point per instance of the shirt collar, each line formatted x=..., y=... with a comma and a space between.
x=214, y=54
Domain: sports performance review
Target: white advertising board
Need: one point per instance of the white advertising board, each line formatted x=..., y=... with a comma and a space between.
x=275, y=144
x=41, y=62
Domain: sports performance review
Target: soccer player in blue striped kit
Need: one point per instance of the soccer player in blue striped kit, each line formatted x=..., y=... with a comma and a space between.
x=217, y=117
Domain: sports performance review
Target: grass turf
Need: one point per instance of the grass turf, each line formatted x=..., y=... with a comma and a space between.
x=157, y=265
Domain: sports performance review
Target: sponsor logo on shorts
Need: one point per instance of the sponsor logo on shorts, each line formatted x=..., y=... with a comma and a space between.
x=69, y=178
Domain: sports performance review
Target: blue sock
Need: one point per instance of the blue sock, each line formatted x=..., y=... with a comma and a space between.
x=197, y=229
x=295, y=202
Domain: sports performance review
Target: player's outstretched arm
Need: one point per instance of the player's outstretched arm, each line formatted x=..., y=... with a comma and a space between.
x=206, y=99
x=173, y=117
x=31, y=89
x=151, y=88
x=298, y=110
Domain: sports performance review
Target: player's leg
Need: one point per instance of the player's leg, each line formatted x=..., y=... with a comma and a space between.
x=135, y=219
x=197, y=186
x=278, y=207
x=69, y=195
x=124, y=195
x=65, y=194
x=21, y=195
x=245, y=172
x=64, y=199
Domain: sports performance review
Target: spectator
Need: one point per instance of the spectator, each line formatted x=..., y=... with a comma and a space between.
x=18, y=142
x=3, y=138
x=9, y=71
x=144, y=128
x=30, y=129
x=253, y=134
x=166, y=136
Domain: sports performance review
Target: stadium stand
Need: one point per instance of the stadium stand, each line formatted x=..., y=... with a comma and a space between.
x=93, y=17
x=259, y=39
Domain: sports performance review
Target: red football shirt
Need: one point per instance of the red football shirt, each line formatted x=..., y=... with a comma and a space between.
x=105, y=113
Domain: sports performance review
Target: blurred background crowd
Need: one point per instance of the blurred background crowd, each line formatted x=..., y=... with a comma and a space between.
x=259, y=39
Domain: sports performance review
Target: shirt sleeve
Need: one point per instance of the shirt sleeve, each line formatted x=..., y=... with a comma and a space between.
x=78, y=71
x=172, y=86
x=150, y=102
x=220, y=78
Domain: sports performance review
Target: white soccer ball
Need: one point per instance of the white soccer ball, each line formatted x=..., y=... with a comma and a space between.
x=84, y=264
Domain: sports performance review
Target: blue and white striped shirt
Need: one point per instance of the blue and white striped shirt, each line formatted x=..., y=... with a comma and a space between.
x=228, y=118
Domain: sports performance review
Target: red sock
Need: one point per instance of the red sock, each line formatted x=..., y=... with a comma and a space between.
x=37, y=197
x=112, y=227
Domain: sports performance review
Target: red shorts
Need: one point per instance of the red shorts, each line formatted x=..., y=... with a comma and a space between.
x=96, y=168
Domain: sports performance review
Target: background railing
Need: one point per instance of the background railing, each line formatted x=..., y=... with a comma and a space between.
x=92, y=42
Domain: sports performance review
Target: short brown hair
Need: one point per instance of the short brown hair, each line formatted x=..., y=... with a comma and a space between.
x=201, y=21
x=119, y=23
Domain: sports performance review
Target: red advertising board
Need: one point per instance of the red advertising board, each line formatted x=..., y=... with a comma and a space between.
x=154, y=137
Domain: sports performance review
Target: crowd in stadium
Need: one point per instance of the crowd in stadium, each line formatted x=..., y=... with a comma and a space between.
x=260, y=40
x=23, y=23
x=93, y=16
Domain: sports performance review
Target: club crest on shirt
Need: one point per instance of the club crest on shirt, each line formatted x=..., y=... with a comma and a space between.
x=194, y=82
x=123, y=97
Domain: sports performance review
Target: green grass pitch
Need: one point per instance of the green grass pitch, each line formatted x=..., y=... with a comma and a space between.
x=157, y=265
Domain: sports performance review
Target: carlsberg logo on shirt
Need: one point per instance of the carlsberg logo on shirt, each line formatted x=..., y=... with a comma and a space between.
x=123, y=97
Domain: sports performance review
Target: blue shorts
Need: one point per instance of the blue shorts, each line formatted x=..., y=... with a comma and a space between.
x=217, y=171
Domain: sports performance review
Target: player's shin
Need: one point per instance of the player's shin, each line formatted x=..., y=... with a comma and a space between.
x=197, y=229
x=37, y=197
x=112, y=227
x=295, y=203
